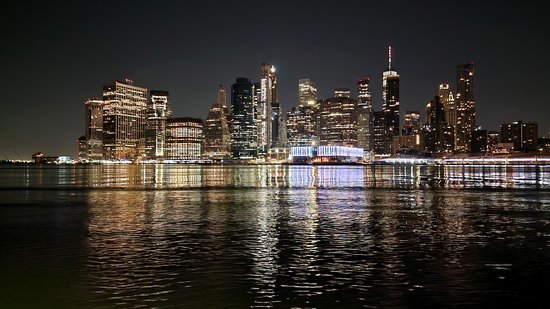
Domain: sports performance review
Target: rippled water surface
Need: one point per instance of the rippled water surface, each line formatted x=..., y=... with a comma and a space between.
x=177, y=236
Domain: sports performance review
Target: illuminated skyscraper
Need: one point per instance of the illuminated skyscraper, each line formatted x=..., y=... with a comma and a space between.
x=158, y=110
x=184, y=138
x=268, y=96
x=449, y=106
x=244, y=134
x=307, y=92
x=124, y=116
x=277, y=124
x=390, y=84
x=364, y=114
x=222, y=97
x=379, y=133
x=338, y=122
x=93, y=148
x=465, y=106
x=216, y=130
x=435, y=122
x=301, y=123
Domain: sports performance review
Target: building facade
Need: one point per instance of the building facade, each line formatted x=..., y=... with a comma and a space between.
x=447, y=99
x=158, y=110
x=244, y=128
x=435, y=122
x=479, y=143
x=124, y=116
x=411, y=123
x=217, y=142
x=184, y=139
x=307, y=92
x=338, y=122
x=93, y=147
x=364, y=114
x=301, y=123
x=380, y=144
x=390, y=96
x=523, y=135
x=465, y=106
x=267, y=97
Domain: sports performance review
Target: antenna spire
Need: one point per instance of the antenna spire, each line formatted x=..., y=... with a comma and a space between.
x=389, y=57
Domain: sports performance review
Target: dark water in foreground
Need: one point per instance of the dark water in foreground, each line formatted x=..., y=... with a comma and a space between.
x=180, y=236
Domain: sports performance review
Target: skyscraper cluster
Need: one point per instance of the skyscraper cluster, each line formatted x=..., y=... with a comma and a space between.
x=132, y=123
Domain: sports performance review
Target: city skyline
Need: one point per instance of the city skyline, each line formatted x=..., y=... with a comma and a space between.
x=65, y=60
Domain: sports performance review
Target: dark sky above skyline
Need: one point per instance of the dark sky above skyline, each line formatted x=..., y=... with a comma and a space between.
x=56, y=55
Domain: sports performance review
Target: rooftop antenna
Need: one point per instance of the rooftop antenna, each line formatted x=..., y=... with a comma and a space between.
x=389, y=58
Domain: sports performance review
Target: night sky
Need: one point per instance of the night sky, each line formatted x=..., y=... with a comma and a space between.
x=54, y=56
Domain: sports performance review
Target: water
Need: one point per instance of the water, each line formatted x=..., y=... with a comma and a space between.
x=177, y=236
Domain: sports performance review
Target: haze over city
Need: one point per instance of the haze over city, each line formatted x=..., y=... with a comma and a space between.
x=58, y=55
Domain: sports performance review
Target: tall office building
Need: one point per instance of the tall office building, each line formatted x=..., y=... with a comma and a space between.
x=244, y=134
x=364, y=114
x=268, y=96
x=216, y=129
x=390, y=96
x=301, y=124
x=338, y=122
x=277, y=124
x=93, y=147
x=435, y=121
x=307, y=92
x=222, y=97
x=124, y=116
x=184, y=138
x=380, y=145
x=448, y=101
x=158, y=110
x=465, y=106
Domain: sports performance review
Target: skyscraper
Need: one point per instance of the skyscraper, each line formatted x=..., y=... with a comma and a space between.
x=244, y=136
x=158, y=110
x=268, y=96
x=307, y=92
x=222, y=97
x=277, y=121
x=448, y=101
x=301, y=123
x=216, y=130
x=435, y=123
x=94, y=130
x=364, y=114
x=338, y=122
x=465, y=106
x=390, y=96
x=379, y=133
x=124, y=116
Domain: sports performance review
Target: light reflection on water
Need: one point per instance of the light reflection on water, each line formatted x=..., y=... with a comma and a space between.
x=269, y=176
x=275, y=236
